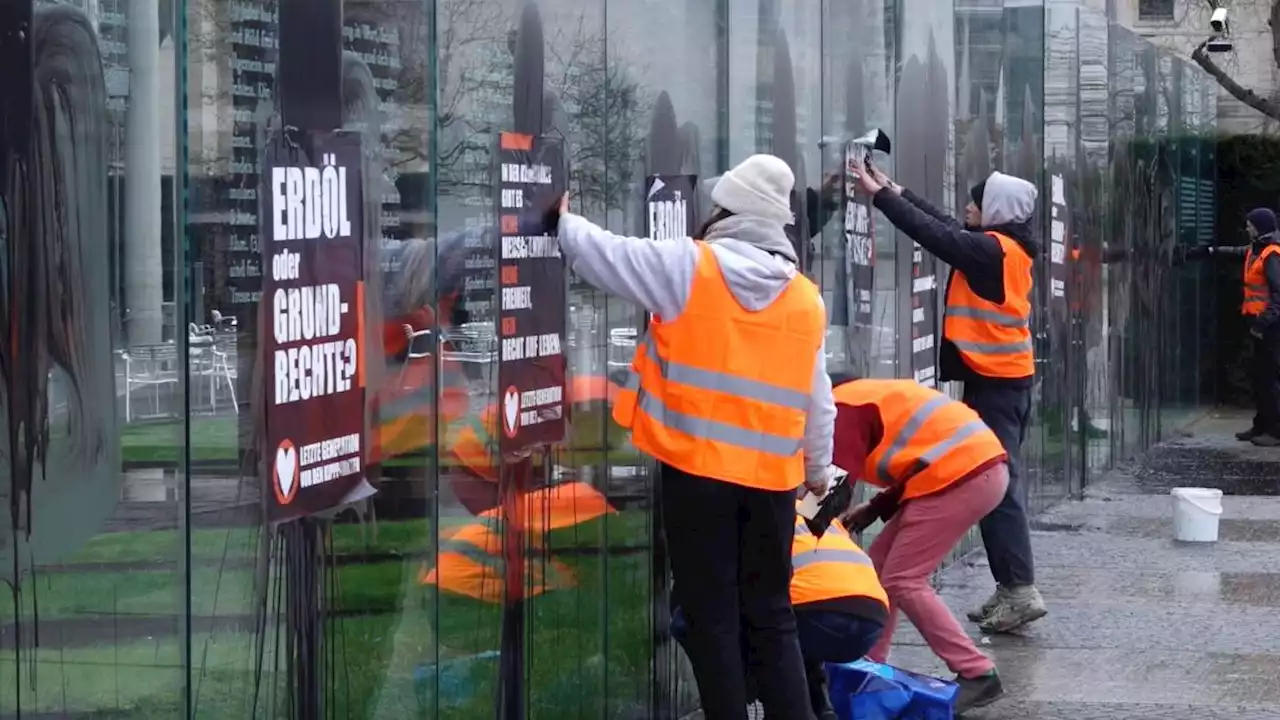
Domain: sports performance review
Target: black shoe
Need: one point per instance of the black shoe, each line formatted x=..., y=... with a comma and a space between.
x=1248, y=435
x=977, y=692
x=1265, y=440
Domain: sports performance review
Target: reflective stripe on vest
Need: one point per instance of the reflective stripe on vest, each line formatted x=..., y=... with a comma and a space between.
x=930, y=456
x=832, y=566
x=1256, y=291
x=471, y=563
x=708, y=393
x=929, y=441
x=812, y=557
x=716, y=382
x=994, y=340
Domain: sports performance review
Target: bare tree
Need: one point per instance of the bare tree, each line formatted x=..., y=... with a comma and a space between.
x=1201, y=56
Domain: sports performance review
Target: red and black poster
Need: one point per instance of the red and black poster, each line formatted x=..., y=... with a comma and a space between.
x=532, y=293
x=313, y=305
x=860, y=241
x=671, y=208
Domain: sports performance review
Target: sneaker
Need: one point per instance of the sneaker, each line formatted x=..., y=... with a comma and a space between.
x=985, y=609
x=1266, y=440
x=1248, y=435
x=977, y=692
x=1093, y=432
x=1021, y=605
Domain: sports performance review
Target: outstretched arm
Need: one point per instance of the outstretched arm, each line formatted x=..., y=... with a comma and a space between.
x=655, y=274
x=973, y=253
x=934, y=211
x=1202, y=252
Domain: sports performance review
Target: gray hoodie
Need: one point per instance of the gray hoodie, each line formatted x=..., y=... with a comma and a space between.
x=658, y=275
x=1007, y=199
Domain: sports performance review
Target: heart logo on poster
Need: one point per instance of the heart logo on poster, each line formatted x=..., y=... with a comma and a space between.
x=286, y=472
x=510, y=411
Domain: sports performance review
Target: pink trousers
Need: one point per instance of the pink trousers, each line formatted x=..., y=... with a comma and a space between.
x=911, y=547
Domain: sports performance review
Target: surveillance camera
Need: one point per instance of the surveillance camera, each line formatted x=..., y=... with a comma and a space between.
x=1219, y=45
x=1218, y=20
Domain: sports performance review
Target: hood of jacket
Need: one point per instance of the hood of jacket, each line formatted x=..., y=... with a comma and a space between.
x=1007, y=200
x=1008, y=203
x=756, y=258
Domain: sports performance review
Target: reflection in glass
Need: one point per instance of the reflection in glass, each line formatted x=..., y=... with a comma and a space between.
x=145, y=580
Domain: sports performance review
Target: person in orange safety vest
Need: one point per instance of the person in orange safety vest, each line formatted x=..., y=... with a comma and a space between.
x=728, y=392
x=1261, y=309
x=987, y=345
x=839, y=604
x=942, y=470
x=470, y=560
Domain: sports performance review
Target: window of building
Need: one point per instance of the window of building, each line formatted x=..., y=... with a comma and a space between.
x=1155, y=9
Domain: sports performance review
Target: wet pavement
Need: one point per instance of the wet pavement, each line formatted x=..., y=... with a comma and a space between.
x=1141, y=626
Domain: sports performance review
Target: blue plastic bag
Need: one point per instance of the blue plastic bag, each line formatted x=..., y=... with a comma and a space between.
x=864, y=690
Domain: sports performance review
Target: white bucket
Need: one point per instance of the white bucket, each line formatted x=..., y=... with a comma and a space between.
x=1195, y=514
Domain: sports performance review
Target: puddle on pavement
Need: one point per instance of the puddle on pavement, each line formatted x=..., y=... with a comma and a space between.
x=1235, y=473
x=1253, y=589
x=1229, y=530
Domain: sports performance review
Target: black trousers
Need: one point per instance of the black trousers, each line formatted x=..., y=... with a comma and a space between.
x=730, y=555
x=1266, y=382
x=825, y=637
x=1006, y=533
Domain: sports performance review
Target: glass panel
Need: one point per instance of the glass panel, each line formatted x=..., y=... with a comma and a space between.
x=365, y=564
x=94, y=391
x=1100, y=249
x=1059, y=200
x=857, y=95
x=666, y=56
x=148, y=581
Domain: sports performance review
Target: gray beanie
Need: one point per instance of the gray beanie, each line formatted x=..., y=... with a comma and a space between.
x=759, y=186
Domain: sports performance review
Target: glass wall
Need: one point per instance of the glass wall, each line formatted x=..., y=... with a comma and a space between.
x=152, y=571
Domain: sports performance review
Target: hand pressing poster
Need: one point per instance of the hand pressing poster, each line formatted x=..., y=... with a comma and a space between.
x=532, y=293
x=313, y=299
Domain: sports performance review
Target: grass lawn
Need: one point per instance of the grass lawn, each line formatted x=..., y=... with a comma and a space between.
x=593, y=436
x=588, y=646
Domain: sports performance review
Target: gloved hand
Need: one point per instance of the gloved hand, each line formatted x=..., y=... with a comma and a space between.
x=821, y=483
x=1254, y=331
x=858, y=518
x=558, y=208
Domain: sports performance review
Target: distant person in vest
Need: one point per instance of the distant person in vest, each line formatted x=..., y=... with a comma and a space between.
x=986, y=344
x=729, y=392
x=839, y=604
x=942, y=470
x=1261, y=309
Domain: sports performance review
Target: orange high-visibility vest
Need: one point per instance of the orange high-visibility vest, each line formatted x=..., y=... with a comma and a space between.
x=722, y=392
x=994, y=339
x=930, y=441
x=472, y=442
x=471, y=563
x=1255, y=280
x=831, y=567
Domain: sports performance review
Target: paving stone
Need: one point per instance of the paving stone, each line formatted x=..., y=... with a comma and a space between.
x=1141, y=626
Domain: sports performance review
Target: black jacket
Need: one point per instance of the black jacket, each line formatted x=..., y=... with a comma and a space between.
x=978, y=255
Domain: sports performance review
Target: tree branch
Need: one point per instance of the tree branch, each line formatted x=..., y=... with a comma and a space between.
x=1263, y=105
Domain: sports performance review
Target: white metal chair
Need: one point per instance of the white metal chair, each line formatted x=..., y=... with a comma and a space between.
x=419, y=347
x=149, y=366
x=212, y=363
